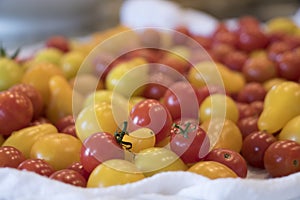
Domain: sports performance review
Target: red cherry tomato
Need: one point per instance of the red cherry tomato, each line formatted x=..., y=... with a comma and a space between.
x=151, y=114
x=10, y=157
x=182, y=100
x=98, y=148
x=189, y=141
x=77, y=166
x=69, y=176
x=254, y=147
x=65, y=122
x=231, y=159
x=282, y=158
x=38, y=166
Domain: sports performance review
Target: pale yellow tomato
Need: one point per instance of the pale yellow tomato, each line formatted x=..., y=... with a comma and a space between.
x=114, y=172
x=156, y=159
x=291, y=130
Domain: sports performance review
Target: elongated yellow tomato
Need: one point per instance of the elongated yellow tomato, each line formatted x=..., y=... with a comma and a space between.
x=212, y=170
x=24, y=139
x=157, y=159
x=114, y=172
x=223, y=133
x=99, y=117
x=291, y=131
x=218, y=106
x=59, y=150
x=140, y=139
x=281, y=105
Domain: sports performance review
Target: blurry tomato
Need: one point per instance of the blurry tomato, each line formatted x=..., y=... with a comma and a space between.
x=223, y=134
x=156, y=159
x=59, y=150
x=98, y=148
x=231, y=159
x=218, y=105
x=254, y=147
x=114, y=172
x=151, y=114
x=189, y=141
x=212, y=170
x=282, y=158
x=291, y=130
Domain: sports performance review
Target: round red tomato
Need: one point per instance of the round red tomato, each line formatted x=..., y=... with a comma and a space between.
x=38, y=166
x=189, y=141
x=231, y=159
x=254, y=147
x=69, y=176
x=282, y=158
x=98, y=148
x=151, y=114
x=10, y=157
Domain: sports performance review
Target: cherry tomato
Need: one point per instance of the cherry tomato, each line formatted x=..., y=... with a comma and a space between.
x=10, y=157
x=38, y=166
x=77, y=166
x=254, y=147
x=157, y=159
x=181, y=99
x=218, y=105
x=223, y=134
x=10, y=73
x=189, y=141
x=291, y=130
x=114, y=172
x=231, y=159
x=98, y=148
x=282, y=158
x=59, y=150
x=69, y=176
x=248, y=125
x=151, y=114
x=212, y=170
x=65, y=122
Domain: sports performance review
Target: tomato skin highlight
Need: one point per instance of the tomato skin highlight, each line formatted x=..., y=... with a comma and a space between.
x=282, y=158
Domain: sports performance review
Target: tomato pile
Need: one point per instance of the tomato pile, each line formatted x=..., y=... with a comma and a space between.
x=215, y=111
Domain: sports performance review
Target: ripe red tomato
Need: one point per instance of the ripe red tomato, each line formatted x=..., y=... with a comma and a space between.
x=77, y=166
x=282, y=158
x=230, y=158
x=254, y=147
x=69, y=176
x=189, y=141
x=98, y=148
x=10, y=157
x=151, y=114
x=182, y=100
x=38, y=166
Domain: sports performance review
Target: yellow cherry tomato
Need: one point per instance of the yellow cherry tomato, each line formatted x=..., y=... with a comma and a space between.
x=70, y=63
x=291, y=130
x=223, y=133
x=218, y=106
x=281, y=104
x=99, y=117
x=128, y=78
x=50, y=55
x=10, y=73
x=212, y=170
x=140, y=139
x=114, y=172
x=273, y=82
x=59, y=150
x=281, y=25
x=156, y=159
x=39, y=76
x=24, y=139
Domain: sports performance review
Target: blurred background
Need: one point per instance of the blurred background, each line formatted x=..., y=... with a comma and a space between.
x=24, y=22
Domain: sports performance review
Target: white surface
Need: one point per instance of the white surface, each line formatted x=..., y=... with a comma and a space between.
x=17, y=185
